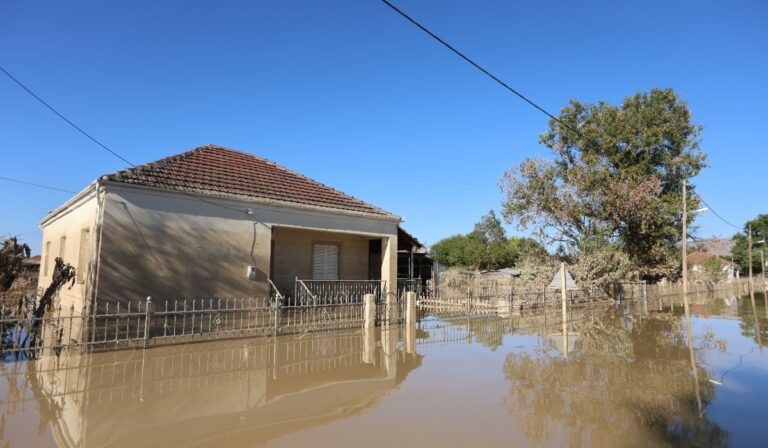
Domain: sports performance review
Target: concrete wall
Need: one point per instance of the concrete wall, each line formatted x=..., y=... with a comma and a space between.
x=69, y=223
x=171, y=246
x=292, y=255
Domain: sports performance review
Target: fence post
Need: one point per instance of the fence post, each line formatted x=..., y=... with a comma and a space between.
x=410, y=308
x=369, y=310
x=147, y=318
x=410, y=322
x=469, y=301
x=563, y=299
x=278, y=304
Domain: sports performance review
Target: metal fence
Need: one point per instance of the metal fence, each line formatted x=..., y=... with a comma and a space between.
x=498, y=301
x=148, y=322
x=323, y=292
x=316, y=306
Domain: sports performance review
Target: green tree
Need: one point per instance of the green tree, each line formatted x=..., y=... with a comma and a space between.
x=486, y=247
x=712, y=265
x=619, y=178
x=759, y=233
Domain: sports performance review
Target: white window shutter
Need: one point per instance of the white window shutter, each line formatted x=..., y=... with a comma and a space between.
x=325, y=262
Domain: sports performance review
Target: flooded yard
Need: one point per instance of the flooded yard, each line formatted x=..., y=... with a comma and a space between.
x=628, y=374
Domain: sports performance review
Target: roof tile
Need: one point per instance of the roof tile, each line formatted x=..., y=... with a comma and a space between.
x=217, y=171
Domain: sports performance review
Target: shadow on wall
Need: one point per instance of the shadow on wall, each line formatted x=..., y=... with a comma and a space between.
x=170, y=255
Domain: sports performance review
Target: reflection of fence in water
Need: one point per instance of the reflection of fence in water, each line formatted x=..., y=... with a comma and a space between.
x=442, y=331
x=121, y=375
x=115, y=325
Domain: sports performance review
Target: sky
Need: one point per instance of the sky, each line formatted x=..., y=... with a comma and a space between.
x=350, y=94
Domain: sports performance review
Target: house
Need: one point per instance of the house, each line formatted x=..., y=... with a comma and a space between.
x=697, y=259
x=213, y=222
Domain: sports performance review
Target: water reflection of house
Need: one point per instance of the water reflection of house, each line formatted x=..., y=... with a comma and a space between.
x=233, y=394
x=215, y=222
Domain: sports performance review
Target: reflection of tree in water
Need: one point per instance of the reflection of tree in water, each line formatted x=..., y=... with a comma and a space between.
x=628, y=377
x=752, y=317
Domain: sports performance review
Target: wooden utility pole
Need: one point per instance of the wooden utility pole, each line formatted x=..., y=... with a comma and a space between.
x=563, y=298
x=685, y=243
x=749, y=256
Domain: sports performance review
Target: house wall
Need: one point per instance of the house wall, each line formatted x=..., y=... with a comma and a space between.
x=292, y=255
x=171, y=246
x=69, y=223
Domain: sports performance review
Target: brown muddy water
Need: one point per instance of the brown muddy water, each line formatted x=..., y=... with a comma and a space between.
x=621, y=375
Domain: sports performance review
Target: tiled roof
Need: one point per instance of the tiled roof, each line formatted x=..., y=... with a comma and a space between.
x=216, y=171
x=698, y=258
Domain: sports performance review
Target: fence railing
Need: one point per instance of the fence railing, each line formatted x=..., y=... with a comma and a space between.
x=325, y=292
x=500, y=301
x=410, y=285
x=149, y=322
x=322, y=305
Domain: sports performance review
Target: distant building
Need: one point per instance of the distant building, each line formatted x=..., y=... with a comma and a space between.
x=697, y=259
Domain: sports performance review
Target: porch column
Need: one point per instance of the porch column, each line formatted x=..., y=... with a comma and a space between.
x=389, y=262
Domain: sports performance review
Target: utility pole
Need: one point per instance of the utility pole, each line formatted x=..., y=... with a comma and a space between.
x=749, y=255
x=685, y=243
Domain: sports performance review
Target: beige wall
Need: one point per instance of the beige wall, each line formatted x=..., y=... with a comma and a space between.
x=172, y=246
x=69, y=223
x=293, y=255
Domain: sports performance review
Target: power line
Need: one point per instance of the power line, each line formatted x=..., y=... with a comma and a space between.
x=102, y=145
x=718, y=215
x=47, y=187
x=481, y=68
x=35, y=96
x=505, y=85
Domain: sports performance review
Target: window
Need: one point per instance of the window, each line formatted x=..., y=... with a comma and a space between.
x=47, y=259
x=82, y=256
x=325, y=262
x=62, y=247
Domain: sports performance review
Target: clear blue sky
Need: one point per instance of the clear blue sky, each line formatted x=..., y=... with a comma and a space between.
x=350, y=94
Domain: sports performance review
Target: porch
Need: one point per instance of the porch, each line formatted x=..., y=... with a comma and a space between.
x=315, y=265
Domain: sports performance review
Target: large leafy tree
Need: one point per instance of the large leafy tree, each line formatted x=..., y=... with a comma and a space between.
x=616, y=174
x=759, y=233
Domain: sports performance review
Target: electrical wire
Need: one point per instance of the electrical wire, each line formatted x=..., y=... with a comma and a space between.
x=102, y=145
x=24, y=182
x=718, y=215
x=507, y=86
x=482, y=69
x=79, y=129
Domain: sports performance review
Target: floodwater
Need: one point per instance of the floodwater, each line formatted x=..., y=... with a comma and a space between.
x=619, y=375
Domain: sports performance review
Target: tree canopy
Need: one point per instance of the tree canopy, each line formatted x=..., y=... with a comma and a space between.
x=485, y=247
x=759, y=233
x=615, y=176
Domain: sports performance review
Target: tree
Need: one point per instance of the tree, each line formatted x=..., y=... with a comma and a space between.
x=12, y=255
x=739, y=251
x=485, y=247
x=618, y=178
x=713, y=266
x=599, y=264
